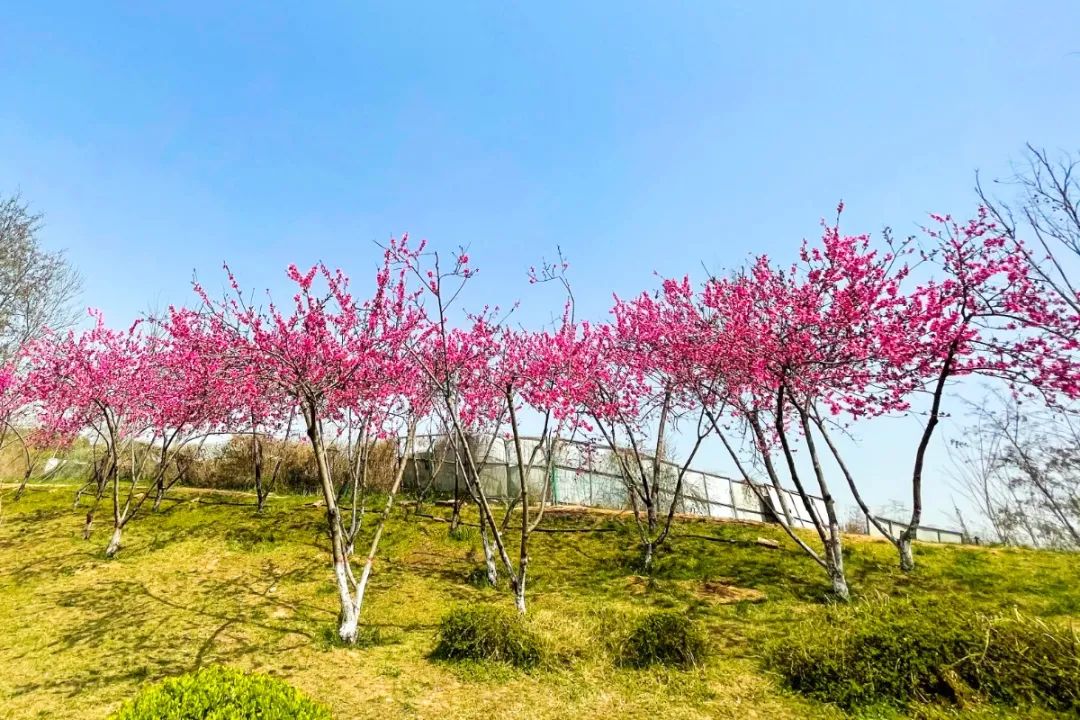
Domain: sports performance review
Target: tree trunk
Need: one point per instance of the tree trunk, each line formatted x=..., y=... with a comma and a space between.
x=348, y=617
x=118, y=528
x=29, y=466
x=489, y=553
x=361, y=587
x=834, y=553
x=114, y=541
x=159, y=490
x=100, y=479
x=26, y=479
x=658, y=464
x=793, y=470
x=907, y=557
x=523, y=494
x=455, y=515
x=835, y=562
x=159, y=480
x=476, y=487
x=647, y=556
x=770, y=470
x=257, y=467
x=519, y=586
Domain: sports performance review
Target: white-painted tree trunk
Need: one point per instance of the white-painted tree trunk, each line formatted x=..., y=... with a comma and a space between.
x=834, y=561
x=114, y=542
x=647, y=556
x=361, y=587
x=519, y=589
x=907, y=556
x=350, y=618
x=489, y=556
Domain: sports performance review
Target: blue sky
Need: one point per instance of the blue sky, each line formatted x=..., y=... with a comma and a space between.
x=165, y=138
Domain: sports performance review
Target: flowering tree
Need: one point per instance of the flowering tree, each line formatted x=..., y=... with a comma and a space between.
x=461, y=365
x=1047, y=210
x=260, y=411
x=635, y=385
x=531, y=367
x=485, y=375
x=784, y=355
x=790, y=345
x=96, y=380
x=329, y=354
x=13, y=408
x=986, y=313
x=140, y=394
x=837, y=337
x=185, y=397
x=241, y=401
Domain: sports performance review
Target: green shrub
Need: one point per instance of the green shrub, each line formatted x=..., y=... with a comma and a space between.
x=1027, y=660
x=484, y=632
x=220, y=693
x=478, y=578
x=898, y=652
x=665, y=637
x=464, y=533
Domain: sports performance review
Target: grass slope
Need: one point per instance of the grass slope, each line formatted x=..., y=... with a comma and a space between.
x=206, y=580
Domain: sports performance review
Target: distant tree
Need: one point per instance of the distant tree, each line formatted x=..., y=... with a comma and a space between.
x=484, y=375
x=635, y=385
x=1019, y=466
x=986, y=313
x=97, y=381
x=855, y=522
x=37, y=287
x=1046, y=210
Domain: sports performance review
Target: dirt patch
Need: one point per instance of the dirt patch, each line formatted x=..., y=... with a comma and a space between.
x=639, y=584
x=720, y=593
x=716, y=592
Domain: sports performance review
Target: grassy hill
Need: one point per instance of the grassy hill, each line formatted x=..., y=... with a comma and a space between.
x=206, y=580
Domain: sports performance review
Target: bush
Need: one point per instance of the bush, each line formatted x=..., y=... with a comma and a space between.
x=898, y=652
x=667, y=638
x=488, y=633
x=220, y=693
x=464, y=533
x=1027, y=660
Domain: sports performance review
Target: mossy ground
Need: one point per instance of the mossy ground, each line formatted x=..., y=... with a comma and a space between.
x=207, y=580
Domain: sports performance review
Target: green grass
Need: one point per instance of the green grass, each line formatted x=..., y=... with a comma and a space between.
x=207, y=581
